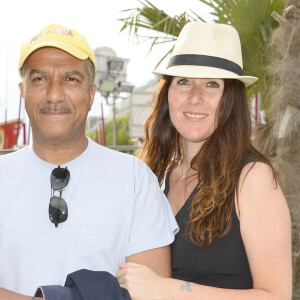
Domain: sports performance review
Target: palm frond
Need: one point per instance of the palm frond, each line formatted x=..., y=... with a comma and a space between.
x=166, y=55
x=151, y=18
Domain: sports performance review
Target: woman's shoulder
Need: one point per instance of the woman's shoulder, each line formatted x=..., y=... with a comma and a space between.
x=258, y=187
x=256, y=172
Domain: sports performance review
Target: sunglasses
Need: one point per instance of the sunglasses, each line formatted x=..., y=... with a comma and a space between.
x=58, y=209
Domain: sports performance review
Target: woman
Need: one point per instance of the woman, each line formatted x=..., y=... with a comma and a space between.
x=235, y=239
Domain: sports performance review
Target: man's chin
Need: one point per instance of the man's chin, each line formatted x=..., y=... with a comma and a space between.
x=52, y=135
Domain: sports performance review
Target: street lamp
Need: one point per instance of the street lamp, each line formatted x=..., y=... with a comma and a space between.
x=115, y=66
x=111, y=79
x=125, y=87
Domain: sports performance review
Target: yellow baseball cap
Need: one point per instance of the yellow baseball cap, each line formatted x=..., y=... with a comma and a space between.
x=60, y=37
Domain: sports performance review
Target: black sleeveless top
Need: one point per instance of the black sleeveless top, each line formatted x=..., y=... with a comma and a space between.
x=222, y=264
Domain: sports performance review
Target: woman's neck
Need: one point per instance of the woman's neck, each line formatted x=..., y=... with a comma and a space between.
x=189, y=151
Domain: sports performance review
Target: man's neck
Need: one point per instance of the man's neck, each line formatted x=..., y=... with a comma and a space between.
x=59, y=152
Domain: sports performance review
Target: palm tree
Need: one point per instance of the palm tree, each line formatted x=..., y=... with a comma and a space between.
x=280, y=140
x=251, y=18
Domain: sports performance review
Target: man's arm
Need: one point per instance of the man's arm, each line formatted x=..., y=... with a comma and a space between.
x=9, y=295
x=159, y=260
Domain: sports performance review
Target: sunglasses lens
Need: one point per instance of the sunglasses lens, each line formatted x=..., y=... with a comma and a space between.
x=59, y=178
x=58, y=210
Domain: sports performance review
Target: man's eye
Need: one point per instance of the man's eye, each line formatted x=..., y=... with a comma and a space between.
x=183, y=82
x=38, y=78
x=72, y=79
x=212, y=84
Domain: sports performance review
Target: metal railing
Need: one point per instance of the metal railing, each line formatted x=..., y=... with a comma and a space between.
x=6, y=151
x=124, y=148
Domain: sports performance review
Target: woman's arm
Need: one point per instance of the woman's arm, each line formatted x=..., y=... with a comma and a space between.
x=144, y=284
x=266, y=233
x=266, y=230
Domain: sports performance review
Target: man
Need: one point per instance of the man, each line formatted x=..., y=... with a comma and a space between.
x=99, y=208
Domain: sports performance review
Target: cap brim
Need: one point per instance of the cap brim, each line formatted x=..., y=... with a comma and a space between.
x=73, y=50
x=203, y=72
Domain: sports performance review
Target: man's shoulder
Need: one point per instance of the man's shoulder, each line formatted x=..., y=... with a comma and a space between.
x=14, y=164
x=111, y=155
x=16, y=155
x=119, y=160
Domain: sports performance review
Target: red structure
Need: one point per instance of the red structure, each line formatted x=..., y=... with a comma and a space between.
x=9, y=132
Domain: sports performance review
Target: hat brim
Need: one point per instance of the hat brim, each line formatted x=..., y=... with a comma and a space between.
x=73, y=50
x=189, y=71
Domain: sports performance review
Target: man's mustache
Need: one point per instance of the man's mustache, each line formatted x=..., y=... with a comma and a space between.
x=55, y=108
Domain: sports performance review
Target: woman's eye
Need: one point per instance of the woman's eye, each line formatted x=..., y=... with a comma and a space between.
x=183, y=82
x=212, y=84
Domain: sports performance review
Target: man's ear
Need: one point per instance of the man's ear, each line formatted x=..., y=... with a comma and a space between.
x=22, y=89
x=92, y=95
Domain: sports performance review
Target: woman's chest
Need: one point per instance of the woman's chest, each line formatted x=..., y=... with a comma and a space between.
x=179, y=192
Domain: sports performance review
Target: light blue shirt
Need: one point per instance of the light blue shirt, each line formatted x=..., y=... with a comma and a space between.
x=116, y=209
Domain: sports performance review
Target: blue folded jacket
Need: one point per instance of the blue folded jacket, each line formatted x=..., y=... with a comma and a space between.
x=85, y=285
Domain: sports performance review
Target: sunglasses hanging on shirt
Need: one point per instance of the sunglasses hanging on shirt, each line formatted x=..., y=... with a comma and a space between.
x=58, y=209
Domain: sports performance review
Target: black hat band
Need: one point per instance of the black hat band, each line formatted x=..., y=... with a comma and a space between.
x=207, y=61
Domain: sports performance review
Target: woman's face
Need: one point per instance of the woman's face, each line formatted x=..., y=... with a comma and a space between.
x=193, y=104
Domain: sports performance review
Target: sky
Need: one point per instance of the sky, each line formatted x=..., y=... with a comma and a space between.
x=97, y=20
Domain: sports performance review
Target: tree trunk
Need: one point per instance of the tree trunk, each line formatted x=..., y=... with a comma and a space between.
x=280, y=140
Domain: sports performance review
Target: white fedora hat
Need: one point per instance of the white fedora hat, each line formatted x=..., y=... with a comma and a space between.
x=205, y=50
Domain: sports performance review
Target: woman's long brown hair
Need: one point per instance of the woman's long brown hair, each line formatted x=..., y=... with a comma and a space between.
x=217, y=163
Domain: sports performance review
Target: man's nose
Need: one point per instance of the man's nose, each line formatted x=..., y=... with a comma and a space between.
x=55, y=91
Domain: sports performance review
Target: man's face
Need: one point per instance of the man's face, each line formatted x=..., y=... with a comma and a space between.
x=57, y=94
